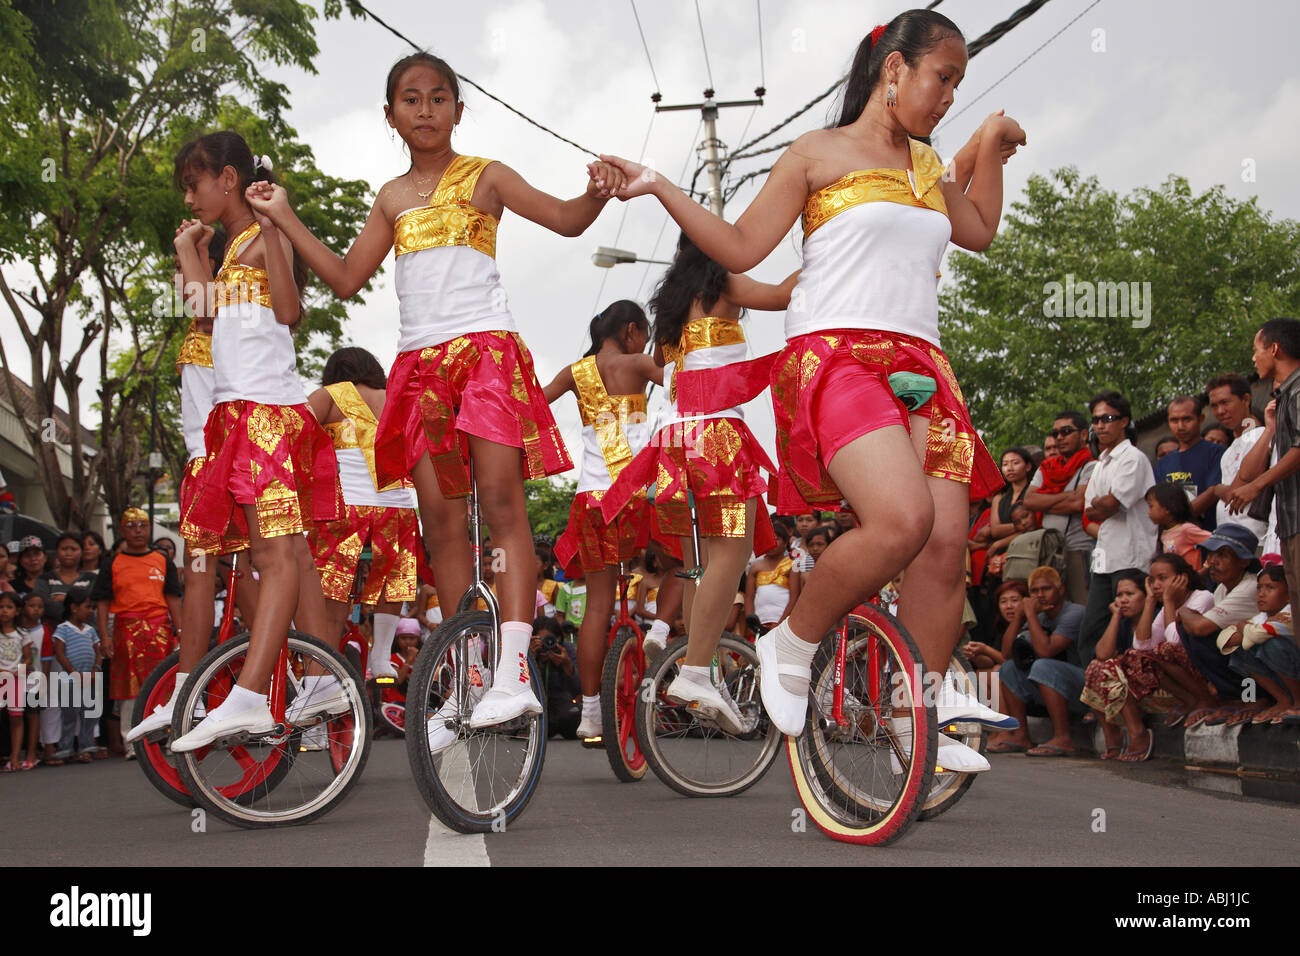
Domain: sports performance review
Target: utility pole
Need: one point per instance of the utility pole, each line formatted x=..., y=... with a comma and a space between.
x=709, y=112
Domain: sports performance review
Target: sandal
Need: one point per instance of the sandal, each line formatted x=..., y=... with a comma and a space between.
x=52, y=762
x=1050, y=750
x=1176, y=717
x=1005, y=747
x=1134, y=757
x=83, y=758
x=8, y=767
x=1111, y=753
x=27, y=765
x=1242, y=716
x=99, y=755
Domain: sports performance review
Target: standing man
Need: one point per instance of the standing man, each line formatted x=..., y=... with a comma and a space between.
x=1115, y=497
x=140, y=587
x=1056, y=492
x=1277, y=356
x=1195, y=463
x=1230, y=402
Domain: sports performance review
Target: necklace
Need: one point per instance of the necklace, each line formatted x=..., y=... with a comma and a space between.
x=432, y=182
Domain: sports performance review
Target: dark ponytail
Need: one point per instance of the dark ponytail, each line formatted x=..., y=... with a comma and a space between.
x=613, y=320
x=913, y=33
x=356, y=365
x=693, y=275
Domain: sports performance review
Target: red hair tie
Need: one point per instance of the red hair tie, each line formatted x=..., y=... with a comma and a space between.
x=876, y=33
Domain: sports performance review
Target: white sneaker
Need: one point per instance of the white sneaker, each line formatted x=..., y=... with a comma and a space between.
x=704, y=700
x=313, y=738
x=440, y=734
x=787, y=711
x=327, y=696
x=498, y=706
x=653, y=644
x=383, y=672
x=253, y=720
x=747, y=724
x=950, y=754
x=952, y=705
x=590, y=726
x=158, y=720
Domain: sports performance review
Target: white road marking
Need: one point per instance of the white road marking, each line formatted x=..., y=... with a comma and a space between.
x=445, y=847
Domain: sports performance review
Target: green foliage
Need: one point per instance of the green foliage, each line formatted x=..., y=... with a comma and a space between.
x=1218, y=268
x=548, y=501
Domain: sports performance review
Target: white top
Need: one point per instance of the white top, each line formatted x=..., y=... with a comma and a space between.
x=715, y=356
x=873, y=266
x=1199, y=601
x=197, y=384
x=447, y=291
x=594, y=470
x=1127, y=539
x=253, y=357
x=1236, y=606
x=1229, y=466
x=359, y=486
x=770, y=601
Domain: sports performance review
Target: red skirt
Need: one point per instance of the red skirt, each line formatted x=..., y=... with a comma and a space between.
x=200, y=541
x=717, y=461
x=140, y=642
x=819, y=401
x=274, y=457
x=480, y=384
x=393, y=535
x=591, y=543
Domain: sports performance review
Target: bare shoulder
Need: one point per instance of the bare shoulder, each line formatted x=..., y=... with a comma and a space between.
x=395, y=197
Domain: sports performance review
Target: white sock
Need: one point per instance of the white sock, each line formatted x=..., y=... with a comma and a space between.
x=591, y=705
x=385, y=631
x=180, y=682
x=240, y=699
x=512, y=671
x=792, y=650
x=659, y=630
x=696, y=675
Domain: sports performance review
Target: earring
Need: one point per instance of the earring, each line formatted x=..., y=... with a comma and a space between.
x=390, y=134
x=891, y=96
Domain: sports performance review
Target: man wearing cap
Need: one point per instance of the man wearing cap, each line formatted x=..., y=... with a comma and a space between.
x=140, y=587
x=1229, y=558
x=31, y=564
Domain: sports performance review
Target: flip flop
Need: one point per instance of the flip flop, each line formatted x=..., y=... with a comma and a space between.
x=27, y=765
x=1242, y=717
x=52, y=762
x=1003, y=747
x=82, y=758
x=1219, y=716
x=1197, y=717
x=8, y=767
x=1111, y=753
x=1175, y=718
x=1128, y=757
x=1255, y=715
x=1050, y=750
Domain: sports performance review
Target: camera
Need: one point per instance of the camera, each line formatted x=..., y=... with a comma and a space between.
x=550, y=643
x=1023, y=653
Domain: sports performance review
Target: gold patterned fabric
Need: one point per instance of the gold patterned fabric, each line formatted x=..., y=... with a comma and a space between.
x=199, y=541
x=779, y=575
x=237, y=282
x=705, y=332
x=919, y=186
x=358, y=428
x=196, y=349
x=449, y=219
x=393, y=535
x=607, y=414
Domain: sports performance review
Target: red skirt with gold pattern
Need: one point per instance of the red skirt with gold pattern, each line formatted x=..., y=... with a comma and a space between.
x=393, y=535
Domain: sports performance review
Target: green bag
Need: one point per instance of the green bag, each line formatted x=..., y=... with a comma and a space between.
x=913, y=390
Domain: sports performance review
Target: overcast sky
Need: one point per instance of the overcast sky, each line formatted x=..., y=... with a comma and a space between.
x=1132, y=92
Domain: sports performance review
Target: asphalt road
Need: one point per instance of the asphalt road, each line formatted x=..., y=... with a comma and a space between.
x=1024, y=812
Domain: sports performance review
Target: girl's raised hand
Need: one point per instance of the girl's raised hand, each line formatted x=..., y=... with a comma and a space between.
x=638, y=180
x=191, y=232
x=268, y=202
x=605, y=180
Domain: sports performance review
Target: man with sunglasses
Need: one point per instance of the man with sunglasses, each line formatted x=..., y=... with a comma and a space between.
x=1056, y=491
x=1115, y=497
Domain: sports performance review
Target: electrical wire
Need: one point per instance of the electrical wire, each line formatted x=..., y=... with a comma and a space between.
x=663, y=225
x=646, y=46
x=622, y=219
x=699, y=18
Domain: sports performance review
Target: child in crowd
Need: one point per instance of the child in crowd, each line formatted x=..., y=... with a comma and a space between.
x=772, y=583
x=817, y=541
x=1265, y=649
x=35, y=633
x=15, y=658
x=77, y=648
x=1171, y=512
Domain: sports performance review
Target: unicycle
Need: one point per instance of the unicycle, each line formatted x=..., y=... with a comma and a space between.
x=949, y=785
x=473, y=780
x=620, y=683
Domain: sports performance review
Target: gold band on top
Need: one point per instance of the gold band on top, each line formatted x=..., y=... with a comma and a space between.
x=358, y=428
x=607, y=414
x=709, y=331
x=196, y=349
x=449, y=219
x=918, y=188
x=237, y=282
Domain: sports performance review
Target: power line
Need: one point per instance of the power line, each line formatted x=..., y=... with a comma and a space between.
x=699, y=18
x=762, y=70
x=358, y=5
x=646, y=46
x=1017, y=66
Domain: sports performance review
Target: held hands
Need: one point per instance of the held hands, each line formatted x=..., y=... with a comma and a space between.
x=638, y=180
x=268, y=201
x=191, y=232
x=605, y=180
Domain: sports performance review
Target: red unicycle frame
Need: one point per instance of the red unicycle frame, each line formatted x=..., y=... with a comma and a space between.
x=625, y=667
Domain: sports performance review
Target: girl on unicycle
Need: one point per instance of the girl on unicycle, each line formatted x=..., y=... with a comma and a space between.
x=463, y=383
x=878, y=213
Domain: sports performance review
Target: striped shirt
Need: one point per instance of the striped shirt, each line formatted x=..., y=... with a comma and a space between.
x=1285, y=438
x=79, y=644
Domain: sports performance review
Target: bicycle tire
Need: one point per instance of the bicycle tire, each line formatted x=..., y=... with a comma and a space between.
x=158, y=770
x=950, y=786
x=827, y=776
x=620, y=683
x=678, y=745
x=255, y=805
x=442, y=678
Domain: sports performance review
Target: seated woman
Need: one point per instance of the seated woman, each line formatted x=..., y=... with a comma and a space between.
x=1265, y=649
x=1120, y=677
x=1006, y=600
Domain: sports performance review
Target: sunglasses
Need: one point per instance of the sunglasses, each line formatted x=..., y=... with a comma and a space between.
x=1106, y=419
x=1062, y=432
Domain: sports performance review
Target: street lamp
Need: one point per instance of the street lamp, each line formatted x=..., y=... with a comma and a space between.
x=607, y=258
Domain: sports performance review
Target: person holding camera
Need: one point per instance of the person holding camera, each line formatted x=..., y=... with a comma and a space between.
x=557, y=660
x=1042, y=666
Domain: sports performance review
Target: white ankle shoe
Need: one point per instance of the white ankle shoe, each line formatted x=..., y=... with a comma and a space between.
x=952, y=705
x=440, y=735
x=160, y=719
x=327, y=696
x=498, y=706
x=653, y=644
x=787, y=711
x=704, y=700
x=590, y=727
x=252, y=720
x=950, y=754
x=383, y=672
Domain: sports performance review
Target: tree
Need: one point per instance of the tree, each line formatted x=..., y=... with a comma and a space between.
x=1031, y=325
x=548, y=502
x=90, y=119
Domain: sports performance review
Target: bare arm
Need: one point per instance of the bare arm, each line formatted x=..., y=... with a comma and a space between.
x=562, y=383
x=105, y=634
x=976, y=211
x=796, y=584
x=1102, y=508
x=567, y=217
x=749, y=293
x=647, y=368
x=321, y=403
x=749, y=591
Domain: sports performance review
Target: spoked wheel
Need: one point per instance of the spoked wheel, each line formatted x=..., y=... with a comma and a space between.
x=297, y=772
x=949, y=785
x=619, y=685
x=866, y=780
x=695, y=756
x=473, y=780
x=152, y=756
